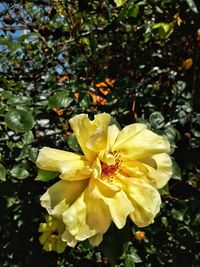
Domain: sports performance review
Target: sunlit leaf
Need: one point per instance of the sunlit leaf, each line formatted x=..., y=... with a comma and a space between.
x=119, y=2
x=19, y=120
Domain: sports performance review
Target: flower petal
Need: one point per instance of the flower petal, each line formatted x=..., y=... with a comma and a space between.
x=145, y=200
x=86, y=218
x=91, y=135
x=105, y=154
x=71, y=165
x=61, y=195
x=98, y=214
x=75, y=220
x=135, y=142
x=159, y=169
x=116, y=200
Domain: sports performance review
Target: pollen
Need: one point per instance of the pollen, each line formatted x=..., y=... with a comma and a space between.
x=109, y=170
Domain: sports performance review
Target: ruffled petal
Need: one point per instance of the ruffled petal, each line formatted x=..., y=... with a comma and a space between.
x=135, y=142
x=75, y=220
x=91, y=135
x=144, y=198
x=86, y=218
x=71, y=165
x=159, y=169
x=116, y=200
x=98, y=216
x=61, y=195
x=105, y=154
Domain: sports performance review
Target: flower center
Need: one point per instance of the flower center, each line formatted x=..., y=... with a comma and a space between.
x=110, y=170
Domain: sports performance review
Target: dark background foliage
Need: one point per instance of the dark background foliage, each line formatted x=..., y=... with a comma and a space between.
x=138, y=62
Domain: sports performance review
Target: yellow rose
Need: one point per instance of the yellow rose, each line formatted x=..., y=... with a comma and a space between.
x=52, y=231
x=118, y=176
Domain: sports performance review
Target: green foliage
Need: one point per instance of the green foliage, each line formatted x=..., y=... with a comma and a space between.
x=55, y=70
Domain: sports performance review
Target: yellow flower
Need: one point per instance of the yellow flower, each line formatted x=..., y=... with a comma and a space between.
x=52, y=231
x=118, y=176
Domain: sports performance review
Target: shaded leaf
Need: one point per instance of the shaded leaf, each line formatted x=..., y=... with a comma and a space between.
x=2, y=173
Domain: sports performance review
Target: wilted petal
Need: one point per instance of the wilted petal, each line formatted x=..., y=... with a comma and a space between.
x=91, y=135
x=135, y=142
x=159, y=169
x=144, y=198
x=71, y=165
x=116, y=200
x=61, y=195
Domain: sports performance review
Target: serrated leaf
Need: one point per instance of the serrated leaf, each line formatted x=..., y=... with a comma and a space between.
x=192, y=6
x=45, y=176
x=2, y=173
x=19, y=172
x=60, y=99
x=19, y=120
x=119, y=2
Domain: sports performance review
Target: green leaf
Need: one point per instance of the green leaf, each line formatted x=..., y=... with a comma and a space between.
x=19, y=120
x=192, y=6
x=164, y=191
x=131, y=259
x=19, y=100
x=86, y=101
x=113, y=243
x=73, y=143
x=6, y=94
x=133, y=12
x=28, y=138
x=156, y=120
x=19, y=172
x=176, y=171
x=59, y=100
x=32, y=153
x=119, y=2
x=23, y=153
x=2, y=173
x=45, y=176
x=12, y=45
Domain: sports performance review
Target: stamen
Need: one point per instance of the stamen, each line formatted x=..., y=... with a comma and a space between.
x=109, y=170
